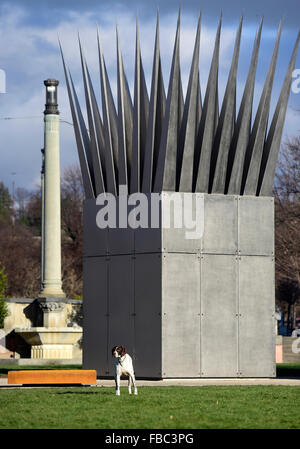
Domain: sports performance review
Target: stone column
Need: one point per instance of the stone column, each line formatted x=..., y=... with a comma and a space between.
x=51, y=285
x=42, y=216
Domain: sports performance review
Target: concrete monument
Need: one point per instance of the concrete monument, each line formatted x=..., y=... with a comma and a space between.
x=200, y=307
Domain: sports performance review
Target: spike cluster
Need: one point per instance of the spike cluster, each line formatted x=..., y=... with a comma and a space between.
x=168, y=143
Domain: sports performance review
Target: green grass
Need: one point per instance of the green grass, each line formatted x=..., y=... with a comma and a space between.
x=288, y=369
x=211, y=407
x=282, y=369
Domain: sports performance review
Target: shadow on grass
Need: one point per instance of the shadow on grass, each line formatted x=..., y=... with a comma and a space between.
x=4, y=369
x=291, y=370
x=77, y=392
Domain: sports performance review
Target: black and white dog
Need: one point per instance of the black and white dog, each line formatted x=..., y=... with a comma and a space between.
x=123, y=367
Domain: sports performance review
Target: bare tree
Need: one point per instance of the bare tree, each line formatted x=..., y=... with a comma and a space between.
x=287, y=230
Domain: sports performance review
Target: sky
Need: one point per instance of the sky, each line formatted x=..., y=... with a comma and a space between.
x=29, y=54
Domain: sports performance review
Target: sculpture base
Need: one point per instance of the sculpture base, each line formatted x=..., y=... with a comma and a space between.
x=184, y=308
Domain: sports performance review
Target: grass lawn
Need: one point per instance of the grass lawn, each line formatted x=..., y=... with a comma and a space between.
x=209, y=407
x=282, y=369
x=5, y=368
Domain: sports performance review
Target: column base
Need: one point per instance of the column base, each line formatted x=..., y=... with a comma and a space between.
x=48, y=293
x=52, y=351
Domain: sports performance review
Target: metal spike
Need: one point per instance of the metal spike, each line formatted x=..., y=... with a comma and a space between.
x=81, y=135
x=179, y=124
x=124, y=121
x=95, y=144
x=190, y=122
x=156, y=115
x=225, y=128
x=165, y=176
x=207, y=125
x=140, y=120
x=257, y=137
x=99, y=128
x=110, y=137
x=243, y=126
x=272, y=145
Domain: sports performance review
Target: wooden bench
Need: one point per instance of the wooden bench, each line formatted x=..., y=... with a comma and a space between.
x=32, y=377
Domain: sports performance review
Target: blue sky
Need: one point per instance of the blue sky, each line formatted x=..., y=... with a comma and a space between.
x=29, y=54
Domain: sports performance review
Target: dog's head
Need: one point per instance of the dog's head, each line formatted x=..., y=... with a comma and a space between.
x=118, y=351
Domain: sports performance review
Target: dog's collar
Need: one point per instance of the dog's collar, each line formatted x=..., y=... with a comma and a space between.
x=120, y=359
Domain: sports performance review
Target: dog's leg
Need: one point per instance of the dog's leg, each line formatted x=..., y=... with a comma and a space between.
x=134, y=383
x=117, y=378
x=129, y=384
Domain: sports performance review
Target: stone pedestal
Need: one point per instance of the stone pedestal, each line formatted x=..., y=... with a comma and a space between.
x=54, y=340
x=53, y=312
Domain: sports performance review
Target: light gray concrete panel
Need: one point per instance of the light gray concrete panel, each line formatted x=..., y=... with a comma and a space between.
x=220, y=224
x=120, y=305
x=95, y=241
x=95, y=323
x=219, y=321
x=256, y=320
x=182, y=222
x=180, y=315
x=147, y=319
x=256, y=225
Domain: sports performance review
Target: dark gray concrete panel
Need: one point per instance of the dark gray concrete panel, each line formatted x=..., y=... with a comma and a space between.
x=95, y=240
x=147, y=318
x=95, y=320
x=120, y=240
x=180, y=315
x=256, y=317
x=256, y=225
x=120, y=305
x=219, y=320
x=220, y=224
x=149, y=240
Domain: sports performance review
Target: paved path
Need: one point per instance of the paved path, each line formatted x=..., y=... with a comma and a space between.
x=186, y=382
